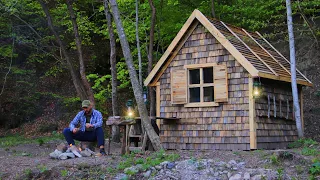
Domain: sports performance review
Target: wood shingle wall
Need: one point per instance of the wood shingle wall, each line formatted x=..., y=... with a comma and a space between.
x=222, y=127
x=274, y=116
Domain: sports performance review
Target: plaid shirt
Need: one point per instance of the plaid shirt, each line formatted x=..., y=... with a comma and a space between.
x=96, y=120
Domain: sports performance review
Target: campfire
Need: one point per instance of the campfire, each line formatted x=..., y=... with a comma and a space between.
x=63, y=152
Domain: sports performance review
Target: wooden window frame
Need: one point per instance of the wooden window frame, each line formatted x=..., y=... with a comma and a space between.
x=201, y=85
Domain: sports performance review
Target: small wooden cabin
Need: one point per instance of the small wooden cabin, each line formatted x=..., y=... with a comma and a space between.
x=207, y=77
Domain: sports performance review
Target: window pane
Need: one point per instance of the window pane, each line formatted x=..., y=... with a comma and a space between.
x=208, y=94
x=194, y=95
x=194, y=76
x=208, y=75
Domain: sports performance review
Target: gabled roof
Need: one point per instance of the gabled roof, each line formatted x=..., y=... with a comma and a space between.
x=250, y=49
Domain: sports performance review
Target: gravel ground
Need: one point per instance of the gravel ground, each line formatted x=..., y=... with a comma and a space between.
x=16, y=162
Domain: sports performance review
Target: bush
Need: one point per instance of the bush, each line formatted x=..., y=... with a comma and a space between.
x=305, y=142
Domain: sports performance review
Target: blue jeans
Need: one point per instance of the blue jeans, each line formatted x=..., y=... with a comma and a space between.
x=91, y=136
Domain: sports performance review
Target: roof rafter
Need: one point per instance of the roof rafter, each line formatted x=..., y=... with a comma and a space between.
x=282, y=56
x=235, y=35
x=266, y=51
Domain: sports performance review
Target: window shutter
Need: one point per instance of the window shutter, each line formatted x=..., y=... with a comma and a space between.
x=178, y=87
x=220, y=83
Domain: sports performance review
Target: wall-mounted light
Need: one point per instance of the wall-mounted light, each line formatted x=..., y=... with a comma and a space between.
x=256, y=89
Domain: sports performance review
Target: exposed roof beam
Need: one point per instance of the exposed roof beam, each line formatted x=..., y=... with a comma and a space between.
x=235, y=35
x=288, y=71
x=282, y=56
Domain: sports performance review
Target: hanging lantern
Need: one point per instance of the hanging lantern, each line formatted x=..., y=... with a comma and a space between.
x=129, y=106
x=256, y=89
x=145, y=95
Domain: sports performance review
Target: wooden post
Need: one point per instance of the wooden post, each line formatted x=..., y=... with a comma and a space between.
x=127, y=138
x=252, y=116
x=301, y=107
x=158, y=104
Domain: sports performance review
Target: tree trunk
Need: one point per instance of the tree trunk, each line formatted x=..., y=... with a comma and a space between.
x=212, y=9
x=293, y=71
x=137, y=89
x=138, y=42
x=113, y=63
x=80, y=53
x=75, y=79
x=152, y=94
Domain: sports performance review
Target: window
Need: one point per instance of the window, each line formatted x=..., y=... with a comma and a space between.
x=200, y=86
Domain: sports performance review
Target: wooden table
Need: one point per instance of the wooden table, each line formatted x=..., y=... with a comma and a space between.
x=121, y=122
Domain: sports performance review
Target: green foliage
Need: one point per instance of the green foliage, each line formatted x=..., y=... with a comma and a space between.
x=40, y=142
x=13, y=140
x=64, y=173
x=310, y=151
x=42, y=168
x=28, y=172
x=305, y=142
x=280, y=173
x=274, y=159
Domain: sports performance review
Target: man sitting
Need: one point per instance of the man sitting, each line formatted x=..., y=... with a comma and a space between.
x=90, y=129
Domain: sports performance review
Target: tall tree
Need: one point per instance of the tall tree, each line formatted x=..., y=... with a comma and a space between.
x=137, y=89
x=113, y=63
x=213, y=13
x=75, y=78
x=293, y=70
x=80, y=53
x=152, y=94
x=138, y=42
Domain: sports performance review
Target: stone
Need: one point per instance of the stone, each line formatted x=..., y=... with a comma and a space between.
x=257, y=177
x=229, y=166
x=75, y=151
x=216, y=174
x=235, y=177
x=170, y=165
x=131, y=170
x=158, y=167
x=55, y=154
x=164, y=163
x=139, y=167
x=62, y=147
x=235, y=168
x=147, y=174
x=232, y=162
x=225, y=172
x=246, y=176
x=85, y=153
x=241, y=163
x=229, y=174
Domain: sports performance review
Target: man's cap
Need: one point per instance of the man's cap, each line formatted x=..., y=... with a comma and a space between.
x=86, y=103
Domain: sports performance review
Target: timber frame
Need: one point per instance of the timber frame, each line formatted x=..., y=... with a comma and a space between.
x=276, y=65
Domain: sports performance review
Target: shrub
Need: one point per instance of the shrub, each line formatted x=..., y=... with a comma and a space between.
x=309, y=151
x=305, y=142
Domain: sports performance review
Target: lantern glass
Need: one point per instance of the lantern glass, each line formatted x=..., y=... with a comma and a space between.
x=256, y=89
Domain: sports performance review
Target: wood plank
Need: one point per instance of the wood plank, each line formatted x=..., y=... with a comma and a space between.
x=288, y=70
x=252, y=117
x=158, y=102
x=173, y=54
x=309, y=82
x=281, y=78
x=171, y=47
x=235, y=35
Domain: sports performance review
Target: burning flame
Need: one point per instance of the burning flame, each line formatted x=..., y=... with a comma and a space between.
x=80, y=149
x=70, y=145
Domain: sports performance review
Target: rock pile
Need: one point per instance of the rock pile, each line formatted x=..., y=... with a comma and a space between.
x=63, y=152
x=201, y=169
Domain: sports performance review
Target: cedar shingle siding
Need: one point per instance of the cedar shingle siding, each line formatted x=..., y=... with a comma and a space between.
x=222, y=127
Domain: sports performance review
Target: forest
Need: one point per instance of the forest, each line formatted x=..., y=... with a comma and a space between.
x=48, y=65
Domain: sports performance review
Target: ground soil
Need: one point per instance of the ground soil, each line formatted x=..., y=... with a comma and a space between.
x=26, y=161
